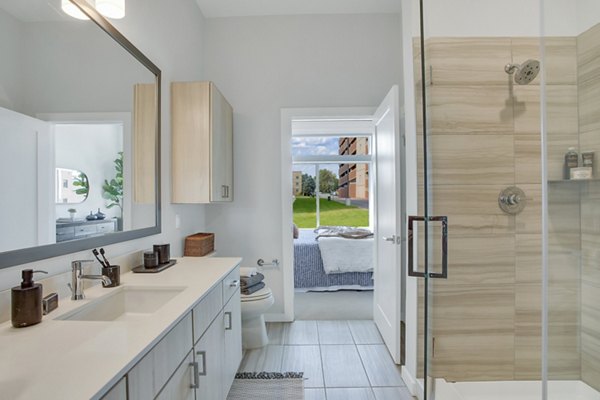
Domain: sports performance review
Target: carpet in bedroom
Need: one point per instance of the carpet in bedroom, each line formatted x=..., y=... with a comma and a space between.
x=340, y=305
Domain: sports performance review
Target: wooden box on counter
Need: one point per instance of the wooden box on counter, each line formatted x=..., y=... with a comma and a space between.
x=199, y=244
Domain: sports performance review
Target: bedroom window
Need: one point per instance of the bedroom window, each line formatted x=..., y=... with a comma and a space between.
x=331, y=183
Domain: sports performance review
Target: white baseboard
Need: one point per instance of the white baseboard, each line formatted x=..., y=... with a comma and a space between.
x=414, y=387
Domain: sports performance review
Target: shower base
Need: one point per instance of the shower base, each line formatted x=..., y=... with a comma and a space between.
x=514, y=390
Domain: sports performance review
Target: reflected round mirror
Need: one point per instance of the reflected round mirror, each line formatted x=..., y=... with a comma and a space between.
x=72, y=186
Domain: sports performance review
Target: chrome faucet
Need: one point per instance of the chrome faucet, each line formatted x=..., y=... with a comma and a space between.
x=77, y=278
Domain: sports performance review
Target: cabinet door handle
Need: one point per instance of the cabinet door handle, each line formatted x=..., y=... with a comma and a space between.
x=203, y=354
x=195, y=379
x=228, y=320
x=235, y=283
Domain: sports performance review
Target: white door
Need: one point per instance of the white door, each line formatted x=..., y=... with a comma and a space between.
x=387, y=295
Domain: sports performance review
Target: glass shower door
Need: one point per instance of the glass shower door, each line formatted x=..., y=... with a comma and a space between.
x=478, y=127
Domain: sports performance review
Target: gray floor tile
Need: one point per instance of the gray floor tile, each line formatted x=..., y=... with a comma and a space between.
x=392, y=393
x=341, y=305
x=365, y=332
x=381, y=369
x=305, y=359
x=314, y=394
x=334, y=332
x=342, y=367
x=275, y=332
x=301, y=332
x=268, y=359
x=350, y=394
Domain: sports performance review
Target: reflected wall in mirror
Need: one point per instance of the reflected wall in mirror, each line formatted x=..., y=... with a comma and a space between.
x=79, y=123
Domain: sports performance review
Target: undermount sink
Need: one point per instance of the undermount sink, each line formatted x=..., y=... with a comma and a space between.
x=125, y=303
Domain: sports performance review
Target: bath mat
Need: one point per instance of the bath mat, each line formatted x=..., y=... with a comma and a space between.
x=267, y=386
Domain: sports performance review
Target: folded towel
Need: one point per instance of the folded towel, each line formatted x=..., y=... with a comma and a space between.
x=252, y=289
x=250, y=281
x=248, y=271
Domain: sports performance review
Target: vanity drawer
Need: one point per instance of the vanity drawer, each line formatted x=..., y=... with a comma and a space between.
x=84, y=230
x=106, y=228
x=231, y=284
x=148, y=377
x=66, y=233
x=206, y=311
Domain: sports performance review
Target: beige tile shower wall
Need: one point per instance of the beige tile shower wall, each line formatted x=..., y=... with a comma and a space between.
x=485, y=136
x=588, y=58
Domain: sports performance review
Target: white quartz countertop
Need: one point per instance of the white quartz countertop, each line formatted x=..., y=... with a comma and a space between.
x=83, y=359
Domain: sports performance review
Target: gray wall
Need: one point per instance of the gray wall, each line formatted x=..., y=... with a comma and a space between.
x=264, y=64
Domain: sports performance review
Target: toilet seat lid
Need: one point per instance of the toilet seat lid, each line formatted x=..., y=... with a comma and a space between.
x=259, y=295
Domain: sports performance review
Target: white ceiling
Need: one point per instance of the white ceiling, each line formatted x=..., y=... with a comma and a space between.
x=243, y=8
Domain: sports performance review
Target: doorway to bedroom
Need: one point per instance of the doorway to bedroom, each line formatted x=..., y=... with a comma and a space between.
x=325, y=144
x=333, y=224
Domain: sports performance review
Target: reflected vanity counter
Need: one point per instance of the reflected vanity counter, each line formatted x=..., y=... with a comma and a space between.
x=84, y=229
x=74, y=355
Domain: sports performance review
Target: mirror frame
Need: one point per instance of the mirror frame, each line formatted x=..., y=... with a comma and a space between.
x=31, y=254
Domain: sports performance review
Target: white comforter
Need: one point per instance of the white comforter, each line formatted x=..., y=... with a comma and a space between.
x=346, y=255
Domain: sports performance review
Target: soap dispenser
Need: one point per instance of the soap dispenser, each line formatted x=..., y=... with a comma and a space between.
x=26, y=301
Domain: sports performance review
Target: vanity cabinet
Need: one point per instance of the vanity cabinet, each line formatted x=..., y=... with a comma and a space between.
x=179, y=387
x=149, y=376
x=209, y=353
x=233, y=340
x=83, y=229
x=202, y=144
x=199, y=357
x=117, y=392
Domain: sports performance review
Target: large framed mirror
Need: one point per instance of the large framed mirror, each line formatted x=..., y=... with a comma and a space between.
x=80, y=133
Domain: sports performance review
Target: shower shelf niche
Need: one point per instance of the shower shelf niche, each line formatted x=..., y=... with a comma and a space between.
x=572, y=180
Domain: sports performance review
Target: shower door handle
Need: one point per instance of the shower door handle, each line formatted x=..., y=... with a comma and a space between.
x=444, y=273
x=411, y=267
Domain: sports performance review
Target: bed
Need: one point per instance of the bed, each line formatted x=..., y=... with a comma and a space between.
x=309, y=272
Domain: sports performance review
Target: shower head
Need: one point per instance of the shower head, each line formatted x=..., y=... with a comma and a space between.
x=525, y=73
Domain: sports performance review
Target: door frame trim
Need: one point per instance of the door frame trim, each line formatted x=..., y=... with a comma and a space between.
x=287, y=116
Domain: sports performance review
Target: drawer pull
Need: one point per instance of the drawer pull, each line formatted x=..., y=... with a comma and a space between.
x=228, y=321
x=203, y=354
x=195, y=379
x=235, y=283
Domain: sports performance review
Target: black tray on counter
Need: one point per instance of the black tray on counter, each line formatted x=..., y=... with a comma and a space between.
x=140, y=269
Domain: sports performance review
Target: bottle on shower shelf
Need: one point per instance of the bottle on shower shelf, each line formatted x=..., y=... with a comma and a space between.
x=571, y=161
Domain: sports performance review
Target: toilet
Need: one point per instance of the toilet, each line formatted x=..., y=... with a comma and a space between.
x=254, y=329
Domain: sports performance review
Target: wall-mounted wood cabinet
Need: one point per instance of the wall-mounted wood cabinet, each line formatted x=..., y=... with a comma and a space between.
x=144, y=143
x=202, y=144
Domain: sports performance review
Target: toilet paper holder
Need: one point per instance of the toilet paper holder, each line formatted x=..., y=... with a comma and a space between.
x=262, y=263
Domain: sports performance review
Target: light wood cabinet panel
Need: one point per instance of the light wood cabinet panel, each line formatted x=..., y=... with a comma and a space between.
x=144, y=143
x=233, y=340
x=208, y=353
x=221, y=147
x=202, y=144
x=180, y=384
x=153, y=371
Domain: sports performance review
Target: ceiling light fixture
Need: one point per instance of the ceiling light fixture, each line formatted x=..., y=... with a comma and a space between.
x=72, y=10
x=114, y=9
